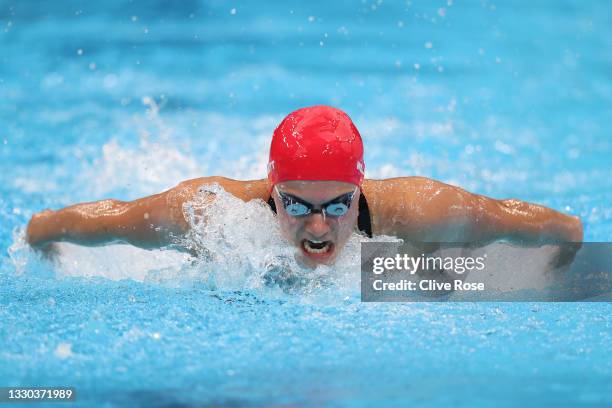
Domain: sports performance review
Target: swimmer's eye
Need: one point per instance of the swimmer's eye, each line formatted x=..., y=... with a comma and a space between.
x=296, y=209
x=336, y=209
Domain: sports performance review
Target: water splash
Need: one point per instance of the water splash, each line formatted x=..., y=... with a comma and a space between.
x=239, y=246
x=156, y=163
x=232, y=245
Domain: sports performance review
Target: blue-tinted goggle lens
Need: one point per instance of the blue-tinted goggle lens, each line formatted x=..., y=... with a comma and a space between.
x=336, y=208
x=296, y=209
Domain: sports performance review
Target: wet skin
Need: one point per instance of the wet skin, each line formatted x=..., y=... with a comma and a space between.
x=415, y=209
x=315, y=227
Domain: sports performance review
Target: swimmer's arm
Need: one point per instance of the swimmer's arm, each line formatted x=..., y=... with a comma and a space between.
x=150, y=222
x=451, y=214
x=521, y=222
x=481, y=220
x=146, y=223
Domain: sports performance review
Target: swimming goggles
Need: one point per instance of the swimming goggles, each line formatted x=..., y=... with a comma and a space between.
x=297, y=207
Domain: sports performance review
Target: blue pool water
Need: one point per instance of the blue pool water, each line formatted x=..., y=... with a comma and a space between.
x=124, y=99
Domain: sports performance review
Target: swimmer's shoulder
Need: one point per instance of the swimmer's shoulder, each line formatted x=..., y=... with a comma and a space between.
x=246, y=190
x=399, y=184
x=169, y=205
x=398, y=202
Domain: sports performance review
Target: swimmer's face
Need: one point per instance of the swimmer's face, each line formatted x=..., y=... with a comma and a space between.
x=319, y=238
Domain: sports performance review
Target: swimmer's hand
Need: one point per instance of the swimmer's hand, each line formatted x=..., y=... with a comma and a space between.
x=37, y=232
x=566, y=255
x=572, y=234
x=49, y=252
x=36, y=237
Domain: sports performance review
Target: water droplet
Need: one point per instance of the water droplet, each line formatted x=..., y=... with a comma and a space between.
x=63, y=350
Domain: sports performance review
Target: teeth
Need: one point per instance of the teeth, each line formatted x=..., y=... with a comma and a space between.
x=312, y=250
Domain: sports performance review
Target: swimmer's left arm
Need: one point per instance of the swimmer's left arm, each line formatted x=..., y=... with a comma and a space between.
x=523, y=223
x=450, y=214
x=481, y=220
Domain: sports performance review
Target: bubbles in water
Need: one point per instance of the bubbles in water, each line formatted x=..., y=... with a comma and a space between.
x=63, y=350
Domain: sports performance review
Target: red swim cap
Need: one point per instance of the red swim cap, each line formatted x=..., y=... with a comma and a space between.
x=316, y=143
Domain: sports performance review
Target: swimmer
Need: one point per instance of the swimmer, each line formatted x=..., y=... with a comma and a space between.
x=316, y=187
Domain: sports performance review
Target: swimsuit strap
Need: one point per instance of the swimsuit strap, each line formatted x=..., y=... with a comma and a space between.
x=364, y=222
x=272, y=204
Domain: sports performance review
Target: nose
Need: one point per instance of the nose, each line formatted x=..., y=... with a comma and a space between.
x=317, y=226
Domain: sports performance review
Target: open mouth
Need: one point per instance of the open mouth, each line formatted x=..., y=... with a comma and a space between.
x=316, y=247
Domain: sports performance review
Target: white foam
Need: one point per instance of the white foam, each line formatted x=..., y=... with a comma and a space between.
x=164, y=156
x=240, y=246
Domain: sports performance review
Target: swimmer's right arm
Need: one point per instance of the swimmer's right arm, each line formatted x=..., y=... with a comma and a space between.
x=149, y=222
